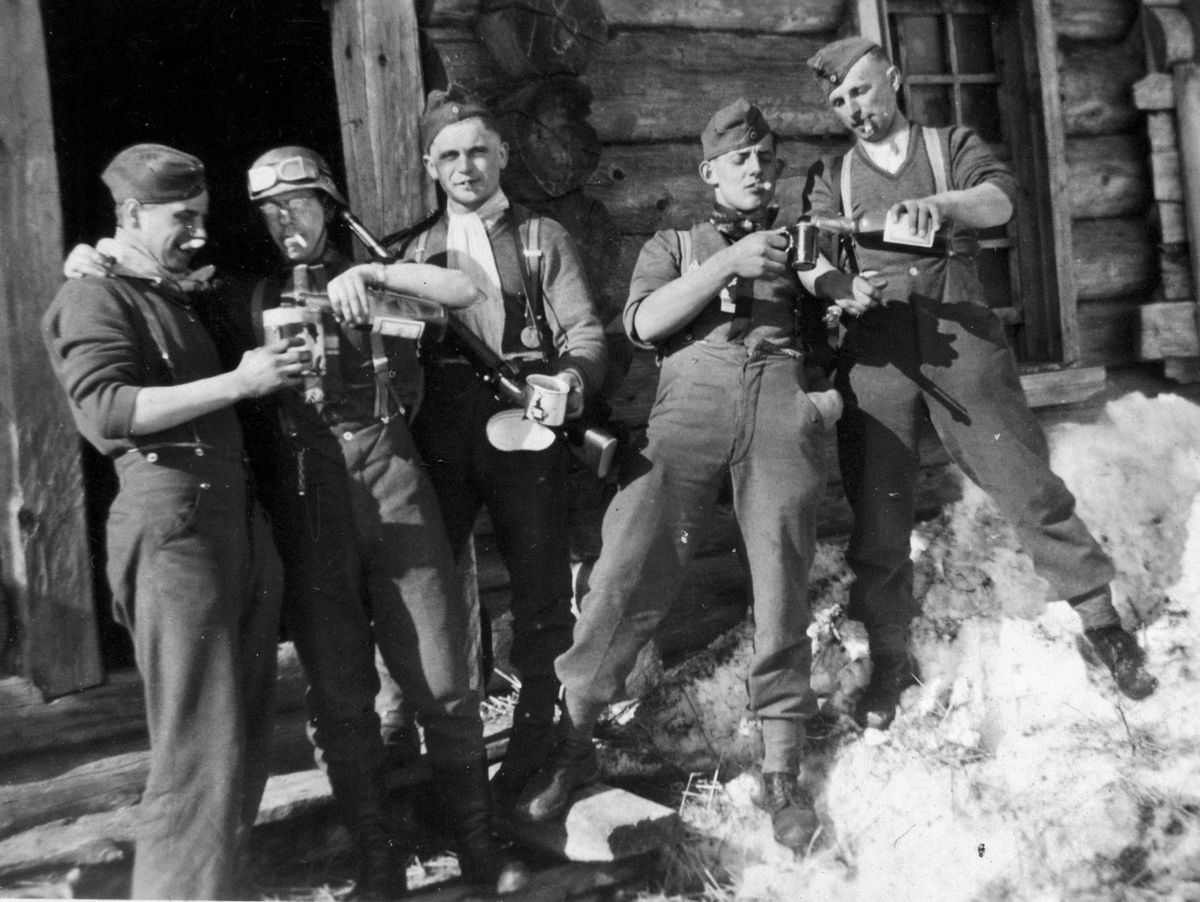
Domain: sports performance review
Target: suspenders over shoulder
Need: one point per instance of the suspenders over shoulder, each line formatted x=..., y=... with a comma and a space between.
x=937, y=162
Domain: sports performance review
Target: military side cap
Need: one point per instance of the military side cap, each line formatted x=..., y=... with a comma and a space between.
x=741, y=124
x=154, y=174
x=447, y=107
x=831, y=63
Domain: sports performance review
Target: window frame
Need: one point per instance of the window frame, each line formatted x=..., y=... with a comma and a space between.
x=1050, y=324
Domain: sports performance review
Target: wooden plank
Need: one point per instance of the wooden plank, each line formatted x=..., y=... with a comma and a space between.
x=1168, y=329
x=1070, y=385
x=1160, y=126
x=1051, y=324
x=1187, y=92
x=647, y=187
x=456, y=56
x=1154, y=92
x=462, y=13
x=1169, y=37
x=1107, y=176
x=603, y=824
x=1113, y=257
x=1167, y=175
x=1092, y=20
x=1170, y=221
x=1097, y=84
x=381, y=92
x=695, y=74
x=768, y=16
x=43, y=543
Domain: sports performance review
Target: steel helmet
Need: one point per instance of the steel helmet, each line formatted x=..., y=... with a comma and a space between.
x=288, y=169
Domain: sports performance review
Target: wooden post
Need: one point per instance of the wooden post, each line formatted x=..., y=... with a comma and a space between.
x=1187, y=109
x=381, y=92
x=43, y=543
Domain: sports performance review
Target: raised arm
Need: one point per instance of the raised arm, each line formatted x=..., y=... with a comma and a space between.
x=448, y=287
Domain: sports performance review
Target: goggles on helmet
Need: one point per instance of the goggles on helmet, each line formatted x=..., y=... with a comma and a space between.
x=290, y=170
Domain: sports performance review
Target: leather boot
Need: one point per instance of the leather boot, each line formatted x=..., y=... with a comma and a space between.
x=572, y=765
x=1119, y=651
x=793, y=819
x=484, y=862
x=358, y=792
x=531, y=741
x=892, y=671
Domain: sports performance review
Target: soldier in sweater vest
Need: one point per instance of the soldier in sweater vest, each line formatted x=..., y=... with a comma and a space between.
x=931, y=349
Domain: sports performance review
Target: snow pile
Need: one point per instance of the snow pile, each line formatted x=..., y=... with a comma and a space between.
x=1015, y=771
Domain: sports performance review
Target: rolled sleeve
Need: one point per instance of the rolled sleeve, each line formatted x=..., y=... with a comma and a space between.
x=578, y=332
x=658, y=264
x=91, y=341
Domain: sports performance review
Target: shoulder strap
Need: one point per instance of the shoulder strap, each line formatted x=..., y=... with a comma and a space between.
x=847, y=200
x=256, y=309
x=687, y=253
x=419, y=250
x=529, y=261
x=937, y=159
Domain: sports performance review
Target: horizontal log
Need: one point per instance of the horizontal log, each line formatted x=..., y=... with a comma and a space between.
x=647, y=187
x=1108, y=331
x=536, y=38
x=451, y=55
x=1168, y=329
x=1113, y=257
x=665, y=86
x=449, y=12
x=1096, y=84
x=1107, y=176
x=769, y=16
x=1093, y=20
x=31, y=726
x=115, y=781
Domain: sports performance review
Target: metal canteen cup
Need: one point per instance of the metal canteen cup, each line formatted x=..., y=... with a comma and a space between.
x=802, y=245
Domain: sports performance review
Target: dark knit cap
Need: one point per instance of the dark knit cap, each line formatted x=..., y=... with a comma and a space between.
x=154, y=174
x=741, y=124
x=831, y=63
x=447, y=107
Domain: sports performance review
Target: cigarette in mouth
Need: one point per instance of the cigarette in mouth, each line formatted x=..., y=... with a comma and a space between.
x=299, y=239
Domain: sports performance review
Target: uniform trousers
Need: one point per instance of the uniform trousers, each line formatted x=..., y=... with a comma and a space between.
x=366, y=561
x=183, y=541
x=525, y=493
x=720, y=409
x=950, y=363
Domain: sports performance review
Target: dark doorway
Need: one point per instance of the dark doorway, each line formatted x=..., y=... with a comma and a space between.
x=223, y=79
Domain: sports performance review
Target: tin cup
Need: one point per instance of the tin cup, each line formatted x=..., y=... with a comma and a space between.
x=547, y=399
x=289, y=322
x=802, y=245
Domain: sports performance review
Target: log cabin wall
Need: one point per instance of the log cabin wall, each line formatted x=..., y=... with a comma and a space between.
x=1116, y=268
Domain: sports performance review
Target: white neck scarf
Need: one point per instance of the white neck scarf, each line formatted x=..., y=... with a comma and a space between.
x=469, y=250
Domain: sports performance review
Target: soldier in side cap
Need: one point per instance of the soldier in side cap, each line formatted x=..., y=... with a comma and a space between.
x=926, y=346
x=739, y=397
x=526, y=265
x=366, y=560
x=147, y=387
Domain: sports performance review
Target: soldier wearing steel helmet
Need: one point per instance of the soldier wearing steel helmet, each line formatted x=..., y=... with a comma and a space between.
x=365, y=555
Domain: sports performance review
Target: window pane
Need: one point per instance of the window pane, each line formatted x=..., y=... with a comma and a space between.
x=973, y=44
x=994, y=275
x=923, y=44
x=981, y=111
x=930, y=105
